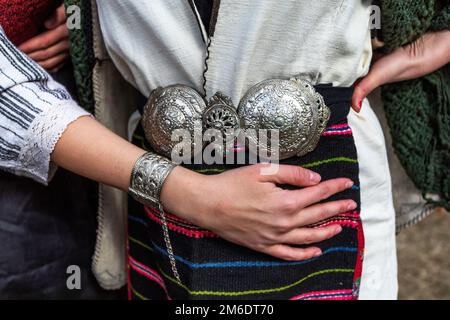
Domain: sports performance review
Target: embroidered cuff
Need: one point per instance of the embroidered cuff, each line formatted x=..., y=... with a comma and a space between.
x=44, y=133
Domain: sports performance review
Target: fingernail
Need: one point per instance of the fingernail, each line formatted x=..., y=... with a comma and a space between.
x=352, y=206
x=338, y=230
x=357, y=108
x=315, y=177
x=318, y=253
x=349, y=184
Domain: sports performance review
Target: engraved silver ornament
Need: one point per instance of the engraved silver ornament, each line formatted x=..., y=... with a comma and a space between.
x=171, y=108
x=293, y=108
x=222, y=118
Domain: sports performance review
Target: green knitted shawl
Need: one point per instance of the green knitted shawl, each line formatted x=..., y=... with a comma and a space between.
x=418, y=111
x=82, y=54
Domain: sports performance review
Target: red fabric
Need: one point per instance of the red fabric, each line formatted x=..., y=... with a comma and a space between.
x=23, y=19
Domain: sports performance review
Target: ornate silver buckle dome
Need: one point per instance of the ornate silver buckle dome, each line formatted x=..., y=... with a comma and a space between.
x=168, y=109
x=293, y=107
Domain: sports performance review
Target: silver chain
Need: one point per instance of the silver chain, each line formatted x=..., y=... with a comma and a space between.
x=147, y=179
x=169, y=247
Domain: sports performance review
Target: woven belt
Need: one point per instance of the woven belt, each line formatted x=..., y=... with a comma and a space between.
x=292, y=108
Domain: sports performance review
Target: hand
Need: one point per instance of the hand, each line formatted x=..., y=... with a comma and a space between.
x=249, y=209
x=51, y=48
x=242, y=205
x=424, y=56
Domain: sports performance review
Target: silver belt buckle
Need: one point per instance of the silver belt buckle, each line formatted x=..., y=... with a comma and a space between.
x=168, y=109
x=292, y=107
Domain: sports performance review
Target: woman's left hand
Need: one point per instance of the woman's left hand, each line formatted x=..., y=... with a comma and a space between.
x=51, y=48
x=426, y=55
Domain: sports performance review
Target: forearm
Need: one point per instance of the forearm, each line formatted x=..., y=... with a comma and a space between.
x=422, y=57
x=426, y=55
x=91, y=150
x=40, y=125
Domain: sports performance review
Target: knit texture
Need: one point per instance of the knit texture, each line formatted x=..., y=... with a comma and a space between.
x=418, y=111
x=212, y=268
x=82, y=54
x=23, y=19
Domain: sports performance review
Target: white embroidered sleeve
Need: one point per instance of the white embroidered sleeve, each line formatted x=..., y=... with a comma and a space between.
x=34, y=113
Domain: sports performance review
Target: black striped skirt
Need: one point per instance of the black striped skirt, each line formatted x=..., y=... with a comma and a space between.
x=212, y=268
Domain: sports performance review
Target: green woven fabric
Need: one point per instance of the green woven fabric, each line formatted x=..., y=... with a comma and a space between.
x=418, y=111
x=82, y=53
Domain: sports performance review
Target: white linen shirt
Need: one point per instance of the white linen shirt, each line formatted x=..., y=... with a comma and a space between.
x=34, y=112
x=159, y=43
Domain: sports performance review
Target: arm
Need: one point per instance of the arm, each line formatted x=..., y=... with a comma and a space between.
x=111, y=158
x=261, y=216
x=243, y=205
x=34, y=112
x=426, y=55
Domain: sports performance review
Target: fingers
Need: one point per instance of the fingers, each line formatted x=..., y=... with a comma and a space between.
x=289, y=253
x=310, y=235
x=323, y=211
x=293, y=175
x=53, y=51
x=54, y=62
x=50, y=49
x=367, y=84
x=57, y=18
x=312, y=195
x=385, y=70
x=45, y=40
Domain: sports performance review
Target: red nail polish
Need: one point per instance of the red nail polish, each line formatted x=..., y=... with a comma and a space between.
x=360, y=105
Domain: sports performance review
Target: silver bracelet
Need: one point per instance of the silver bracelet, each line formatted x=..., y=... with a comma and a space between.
x=147, y=179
